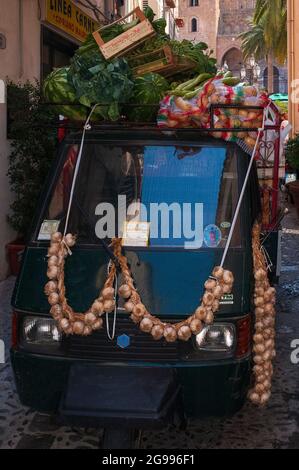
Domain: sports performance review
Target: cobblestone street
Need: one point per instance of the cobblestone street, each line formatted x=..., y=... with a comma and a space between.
x=274, y=427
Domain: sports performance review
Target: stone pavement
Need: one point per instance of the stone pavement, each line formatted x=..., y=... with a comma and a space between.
x=273, y=427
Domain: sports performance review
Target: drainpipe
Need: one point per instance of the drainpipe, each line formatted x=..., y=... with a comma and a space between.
x=21, y=45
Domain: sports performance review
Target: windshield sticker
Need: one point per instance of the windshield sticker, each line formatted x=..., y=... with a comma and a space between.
x=136, y=233
x=225, y=225
x=212, y=236
x=227, y=299
x=47, y=228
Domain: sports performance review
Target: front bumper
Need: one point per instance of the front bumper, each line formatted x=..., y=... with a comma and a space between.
x=209, y=388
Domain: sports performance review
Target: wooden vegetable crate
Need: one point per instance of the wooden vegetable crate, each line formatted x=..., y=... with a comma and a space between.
x=128, y=40
x=162, y=61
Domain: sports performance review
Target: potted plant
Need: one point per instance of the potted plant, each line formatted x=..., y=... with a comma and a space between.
x=292, y=157
x=32, y=136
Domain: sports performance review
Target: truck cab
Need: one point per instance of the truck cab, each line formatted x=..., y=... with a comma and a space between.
x=120, y=374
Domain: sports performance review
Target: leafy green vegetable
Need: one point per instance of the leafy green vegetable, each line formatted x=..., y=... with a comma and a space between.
x=99, y=81
x=149, y=13
x=149, y=89
x=160, y=26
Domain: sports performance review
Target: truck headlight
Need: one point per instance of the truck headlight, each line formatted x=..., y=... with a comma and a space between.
x=219, y=337
x=38, y=331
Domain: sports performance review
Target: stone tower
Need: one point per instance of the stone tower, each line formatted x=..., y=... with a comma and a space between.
x=234, y=18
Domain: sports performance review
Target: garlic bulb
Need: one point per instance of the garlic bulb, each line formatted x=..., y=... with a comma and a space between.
x=258, y=338
x=157, y=332
x=50, y=287
x=260, y=275
x=53, y=261
x=53, y=250
x=64, y=324
x=129, y=306
x=146, y=325
x=218, y=272
x=87, y=330
x=218, y=292
x=139, y=310
x=170, y=334
x=208, y=299
x=259, y=312
x=228, y=277
x=184, y=333
x=125, y=291
x=70, y=240
x=227, y=288
x=108, y=293
x=210, y=284
x=97, y=307
x=53, y=298
x=254, y=397
x=56, y=312
x=259, y=388
x=56, y=237
x=259, y=292
x=78, y=327
x=209, y=318
x=259, y=327
x=258, y=359
x=259, y=348
x=97, y=325
x=109, y=306
x=135, y=319
x=259, y=301
x=201, y=313
x=52, y=272
x=90, y=318
x=196, y=326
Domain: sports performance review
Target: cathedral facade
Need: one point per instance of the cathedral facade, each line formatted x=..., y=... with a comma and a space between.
x=219, y=24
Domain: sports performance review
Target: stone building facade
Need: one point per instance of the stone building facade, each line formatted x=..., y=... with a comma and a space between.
x=219, y=23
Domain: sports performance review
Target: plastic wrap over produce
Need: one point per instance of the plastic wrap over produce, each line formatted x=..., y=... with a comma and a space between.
x=186, y=109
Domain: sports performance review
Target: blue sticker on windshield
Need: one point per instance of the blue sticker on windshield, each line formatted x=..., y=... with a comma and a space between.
x=212, y=236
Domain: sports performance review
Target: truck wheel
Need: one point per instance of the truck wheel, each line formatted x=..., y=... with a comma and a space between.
x=119, y=439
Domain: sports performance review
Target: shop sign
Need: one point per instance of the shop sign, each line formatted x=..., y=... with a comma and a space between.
x=66, y=16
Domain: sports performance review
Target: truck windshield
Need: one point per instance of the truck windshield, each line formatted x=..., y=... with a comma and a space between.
x=185, y=195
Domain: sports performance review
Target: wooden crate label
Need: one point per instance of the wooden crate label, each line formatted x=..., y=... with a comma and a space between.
x=127, y=39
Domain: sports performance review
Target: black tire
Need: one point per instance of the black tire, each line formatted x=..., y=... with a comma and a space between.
x=119, y=439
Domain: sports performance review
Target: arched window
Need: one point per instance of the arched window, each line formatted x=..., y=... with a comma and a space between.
x=193, y=25
x=193, y=3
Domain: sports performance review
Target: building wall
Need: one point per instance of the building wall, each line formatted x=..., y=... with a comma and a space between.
x=20, y=61
x=207, y=16
x=293, y=60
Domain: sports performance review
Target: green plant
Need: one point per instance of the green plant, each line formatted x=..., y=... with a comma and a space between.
x=292, y=152
x=32, y=135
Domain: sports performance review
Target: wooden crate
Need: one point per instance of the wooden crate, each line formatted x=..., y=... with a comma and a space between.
x=162, y=61
x=129, y=39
